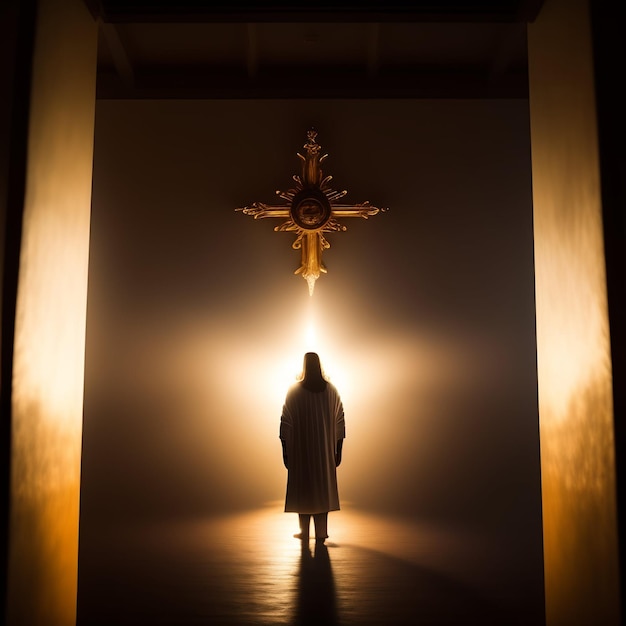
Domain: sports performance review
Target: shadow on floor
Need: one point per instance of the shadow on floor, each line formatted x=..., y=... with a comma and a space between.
x=376, y=588
x=316, y=601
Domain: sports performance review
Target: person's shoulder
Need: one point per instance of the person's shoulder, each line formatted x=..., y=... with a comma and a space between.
x=331, y=389
x=294, y=390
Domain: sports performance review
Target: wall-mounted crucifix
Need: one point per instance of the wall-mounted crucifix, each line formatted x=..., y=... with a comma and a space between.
x=310, y=211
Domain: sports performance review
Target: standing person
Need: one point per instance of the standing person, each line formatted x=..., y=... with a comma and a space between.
x=312, y=431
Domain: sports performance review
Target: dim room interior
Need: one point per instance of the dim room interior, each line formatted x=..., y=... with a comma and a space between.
x=473, y=326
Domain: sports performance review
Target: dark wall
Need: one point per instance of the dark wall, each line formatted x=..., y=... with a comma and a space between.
x=17, y=26
x=425, y=320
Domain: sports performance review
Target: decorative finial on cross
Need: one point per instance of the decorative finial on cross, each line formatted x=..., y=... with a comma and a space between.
x=311, y=211
x=311, y=145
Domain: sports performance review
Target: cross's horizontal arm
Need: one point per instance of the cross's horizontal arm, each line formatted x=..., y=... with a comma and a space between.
x=363, y=210
x=259, y=210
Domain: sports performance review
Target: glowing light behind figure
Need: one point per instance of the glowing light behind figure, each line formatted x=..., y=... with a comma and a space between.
x=229, y=382
x=243, y=374
x=337, y=364
x=276, y=365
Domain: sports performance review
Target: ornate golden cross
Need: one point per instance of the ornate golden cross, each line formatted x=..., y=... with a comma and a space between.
x=311, y=211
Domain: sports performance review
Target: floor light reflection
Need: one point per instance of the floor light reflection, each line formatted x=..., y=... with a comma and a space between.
x=248, y=569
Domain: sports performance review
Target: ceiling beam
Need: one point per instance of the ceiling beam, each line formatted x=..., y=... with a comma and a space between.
x=181, y=83
x=320, y=11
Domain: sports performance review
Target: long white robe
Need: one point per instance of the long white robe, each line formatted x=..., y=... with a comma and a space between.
x=311, y=425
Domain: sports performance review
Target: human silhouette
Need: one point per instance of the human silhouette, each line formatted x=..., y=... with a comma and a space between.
x=312, y=430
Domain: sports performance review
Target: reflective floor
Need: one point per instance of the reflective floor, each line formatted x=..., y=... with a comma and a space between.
x=248, y=569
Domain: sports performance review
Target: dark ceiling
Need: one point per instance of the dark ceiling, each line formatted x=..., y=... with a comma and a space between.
x=323, y=49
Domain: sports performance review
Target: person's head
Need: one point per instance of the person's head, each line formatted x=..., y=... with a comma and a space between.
x=311, y=365
x=312, y=375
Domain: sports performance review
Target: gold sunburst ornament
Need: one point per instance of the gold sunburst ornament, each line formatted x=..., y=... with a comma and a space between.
x=310, y=211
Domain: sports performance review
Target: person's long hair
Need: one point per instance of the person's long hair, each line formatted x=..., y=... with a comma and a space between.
x=312, y=377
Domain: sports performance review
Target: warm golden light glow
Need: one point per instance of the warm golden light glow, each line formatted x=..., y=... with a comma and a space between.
x=273, y=377
x=573, y=351
x=233, y=379
x=311, y=337
x=49, y=351
x=311, y=212
x=314, y=340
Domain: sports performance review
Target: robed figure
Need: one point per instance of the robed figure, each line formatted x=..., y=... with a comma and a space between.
x=312, y=430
